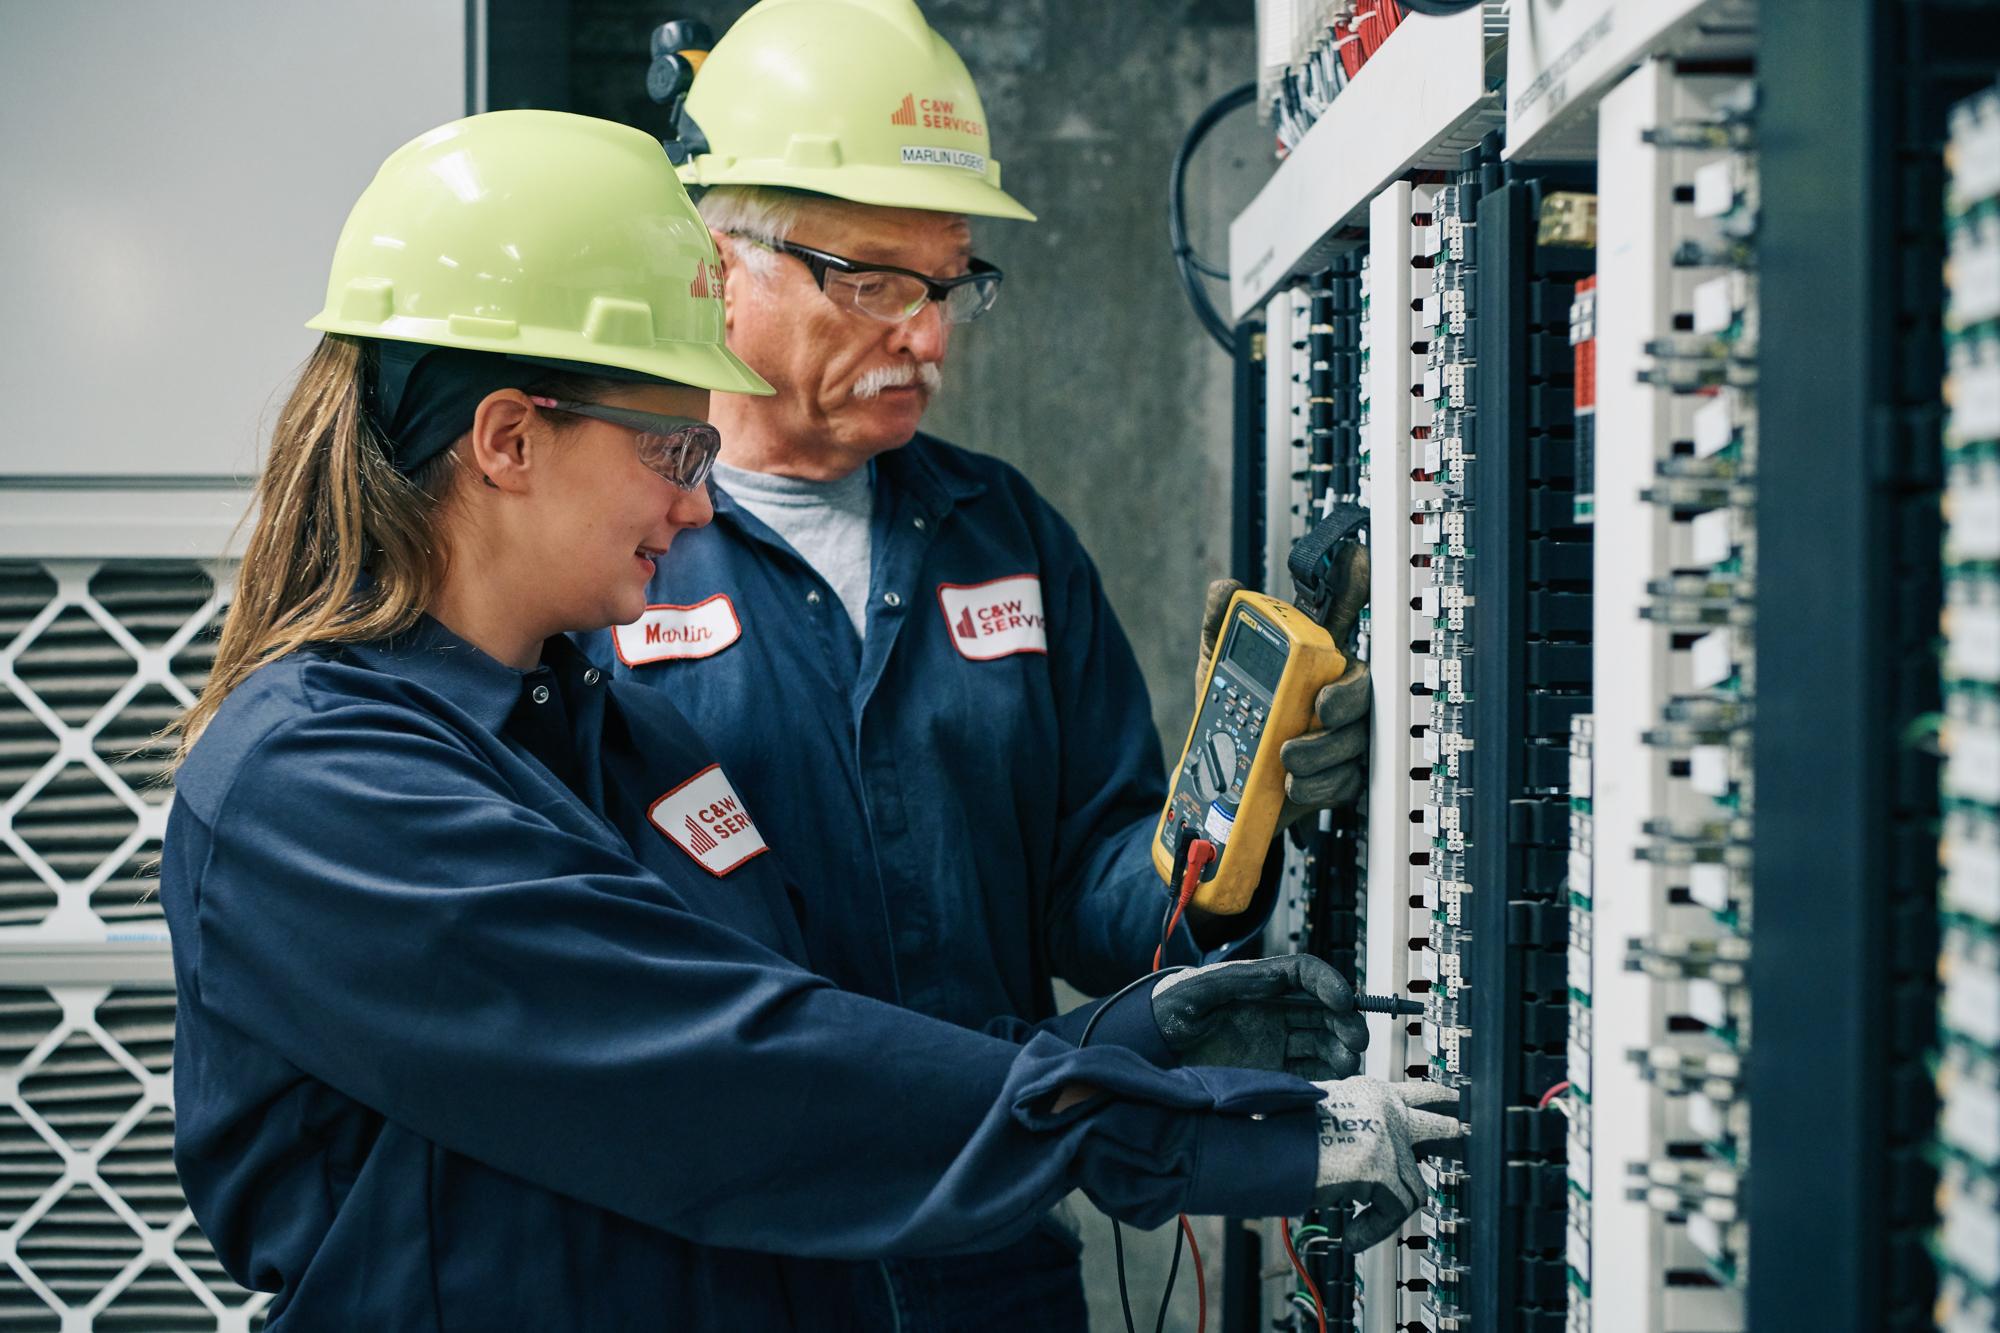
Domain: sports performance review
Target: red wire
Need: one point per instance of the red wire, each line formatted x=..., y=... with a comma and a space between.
x=1351, y=54
x=1553, y=1093
x=1365, y=29
x=1200, y=852
x=1200, y=1280
x=1319, y=1306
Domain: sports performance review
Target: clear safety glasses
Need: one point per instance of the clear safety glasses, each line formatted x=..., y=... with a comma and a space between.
x=677, y=448
x=891, y=294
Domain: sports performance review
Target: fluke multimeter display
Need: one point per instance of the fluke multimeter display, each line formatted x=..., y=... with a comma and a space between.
x=1228, y=788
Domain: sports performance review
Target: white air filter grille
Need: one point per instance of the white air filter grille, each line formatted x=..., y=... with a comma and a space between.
x=95, y=658
x=93, y=1229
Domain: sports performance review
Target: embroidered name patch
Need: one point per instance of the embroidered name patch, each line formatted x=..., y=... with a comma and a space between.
x=705, y=818
x=664, y=632
x=996, y=618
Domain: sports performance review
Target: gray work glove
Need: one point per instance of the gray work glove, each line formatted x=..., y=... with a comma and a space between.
x=1292, y=1014
x=1369, y=1134
x=1324, y=768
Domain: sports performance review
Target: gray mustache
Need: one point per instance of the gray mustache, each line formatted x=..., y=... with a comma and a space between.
x=926, y=373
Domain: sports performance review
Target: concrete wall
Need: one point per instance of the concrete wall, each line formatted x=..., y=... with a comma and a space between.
x=1091, y=374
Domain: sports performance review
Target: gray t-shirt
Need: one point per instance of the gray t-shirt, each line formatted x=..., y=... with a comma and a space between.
x=825, y=521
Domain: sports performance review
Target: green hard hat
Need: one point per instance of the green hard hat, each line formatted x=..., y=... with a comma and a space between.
x=858, y=99
x=537, y=234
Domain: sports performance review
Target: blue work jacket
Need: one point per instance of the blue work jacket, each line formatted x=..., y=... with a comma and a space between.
x=461, y=1045
x=970, y=792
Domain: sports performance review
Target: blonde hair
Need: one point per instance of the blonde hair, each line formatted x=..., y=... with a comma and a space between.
x=330, y=505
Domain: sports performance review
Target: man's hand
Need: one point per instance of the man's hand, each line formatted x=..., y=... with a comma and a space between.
x=1325, y=768
x=1292, y=1014
x=1369, y=1136
x=1213, y=608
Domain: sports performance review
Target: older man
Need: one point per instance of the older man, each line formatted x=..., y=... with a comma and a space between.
x=899, y=649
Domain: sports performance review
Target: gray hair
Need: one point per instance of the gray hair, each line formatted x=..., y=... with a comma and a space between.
x=761, y=213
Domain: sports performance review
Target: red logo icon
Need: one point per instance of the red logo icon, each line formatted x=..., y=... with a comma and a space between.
x=707, y=281
x=700, y=839
x=906, y=114
x=964, y=626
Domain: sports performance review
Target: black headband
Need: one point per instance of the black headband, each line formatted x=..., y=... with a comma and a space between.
x=422, y=397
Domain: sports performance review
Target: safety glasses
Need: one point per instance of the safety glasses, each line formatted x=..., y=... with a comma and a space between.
x=677, y=448
x=891, y=294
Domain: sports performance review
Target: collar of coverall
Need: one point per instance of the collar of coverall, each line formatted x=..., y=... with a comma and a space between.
x=482, y=687
x=932, y=476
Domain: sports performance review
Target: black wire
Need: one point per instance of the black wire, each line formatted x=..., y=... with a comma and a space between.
x=1439, y=9
x=1117, y=1233
x=1183, y=844
x=1090, y=1026
x=1187, y=263
x=1124, y=1296
x=1173, y=1272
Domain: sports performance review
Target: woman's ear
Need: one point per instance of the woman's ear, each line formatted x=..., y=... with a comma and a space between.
x=505, y=430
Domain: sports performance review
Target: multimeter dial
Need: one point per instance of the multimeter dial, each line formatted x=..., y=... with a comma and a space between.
x=1213, y=766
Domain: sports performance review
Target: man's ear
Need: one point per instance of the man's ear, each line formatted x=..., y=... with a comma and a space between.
x=505, y=430
x=733, y=272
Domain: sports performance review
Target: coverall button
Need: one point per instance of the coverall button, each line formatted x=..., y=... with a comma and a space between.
x=893, y=599
x=812, y=598
x=590, y=676
x=540, y=694
x=918, y=524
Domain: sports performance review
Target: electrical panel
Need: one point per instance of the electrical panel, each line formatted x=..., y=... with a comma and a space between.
x=1967, y=1245
x=1646, y=835
x=1697, y=822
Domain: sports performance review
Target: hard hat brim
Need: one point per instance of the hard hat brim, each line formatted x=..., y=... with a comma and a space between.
x=696, y=365
x=937, y=190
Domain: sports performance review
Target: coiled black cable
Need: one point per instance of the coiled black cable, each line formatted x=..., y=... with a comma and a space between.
x=1191, y=266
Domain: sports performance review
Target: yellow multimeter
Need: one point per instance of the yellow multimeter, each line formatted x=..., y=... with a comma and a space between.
x=1270, y=663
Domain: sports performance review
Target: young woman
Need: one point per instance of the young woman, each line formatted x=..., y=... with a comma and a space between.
x=494, y=1010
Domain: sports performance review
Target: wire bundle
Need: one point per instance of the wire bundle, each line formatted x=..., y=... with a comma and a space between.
x=1303, y=93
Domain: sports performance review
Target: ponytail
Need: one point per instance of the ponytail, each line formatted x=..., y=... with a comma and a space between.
x=330, y=504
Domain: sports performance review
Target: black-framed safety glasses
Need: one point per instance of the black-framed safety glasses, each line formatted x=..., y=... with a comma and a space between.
x=891, y=294
x=678, y=448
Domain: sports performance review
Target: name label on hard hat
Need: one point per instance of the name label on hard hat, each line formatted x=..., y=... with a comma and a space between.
x=997, y=618
x=667, y=632
x=705, y=818
x=924, y=155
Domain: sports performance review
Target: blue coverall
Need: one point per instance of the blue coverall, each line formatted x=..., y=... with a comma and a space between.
x=982, y=768
x=478, y=1034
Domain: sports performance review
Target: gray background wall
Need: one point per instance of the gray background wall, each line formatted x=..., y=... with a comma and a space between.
x=1091, y=375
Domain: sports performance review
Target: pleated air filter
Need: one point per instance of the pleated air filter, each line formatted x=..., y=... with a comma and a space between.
x=97, y=1235
x=96, y=658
